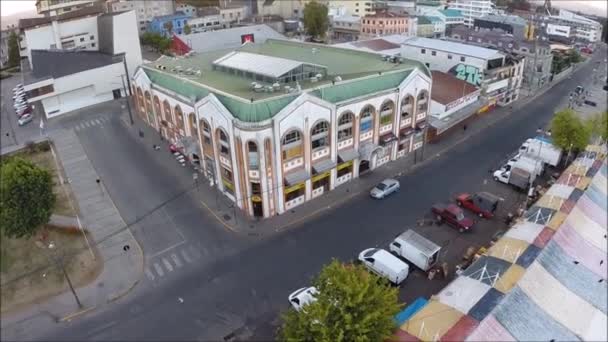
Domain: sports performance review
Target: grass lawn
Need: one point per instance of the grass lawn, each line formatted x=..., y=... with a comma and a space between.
x=28, y=267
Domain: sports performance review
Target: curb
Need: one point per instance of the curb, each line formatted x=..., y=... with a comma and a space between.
x=229, y=227
x=73, y=315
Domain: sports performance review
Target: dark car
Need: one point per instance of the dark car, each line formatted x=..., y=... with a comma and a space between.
x=452, y=215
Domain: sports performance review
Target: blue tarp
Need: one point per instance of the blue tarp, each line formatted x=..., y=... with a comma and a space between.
x=410, y=311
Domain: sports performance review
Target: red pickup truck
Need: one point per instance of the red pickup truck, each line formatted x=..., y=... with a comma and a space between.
x=452, y=215
x=483, y=204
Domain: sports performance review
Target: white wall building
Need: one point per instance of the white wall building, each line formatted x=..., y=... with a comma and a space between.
x=50, y=8
x=144, y=9
x=472, y=9
x=580, y=27
x=206, y=23
x=298, y=130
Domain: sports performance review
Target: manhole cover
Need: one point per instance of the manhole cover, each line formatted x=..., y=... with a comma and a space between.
x=227, y=217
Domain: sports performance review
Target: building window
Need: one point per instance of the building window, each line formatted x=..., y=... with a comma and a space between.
x=92, y=37
x=406, y=106
x=82, y=39
x=292, y=145
x=366, y=123
x=433, y=53
x=345, y=126
x=252, y=150
x=320, y=135
x=423, y=51
x=423, y=102
x=449, y=56
x=206, y=133
x=92, y=44
x=462, y=59
x=386, y=113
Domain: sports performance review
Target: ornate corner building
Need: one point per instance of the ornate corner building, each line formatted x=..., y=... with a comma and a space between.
x=277, y=124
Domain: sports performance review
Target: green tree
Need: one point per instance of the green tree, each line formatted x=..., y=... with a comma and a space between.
x=13, y=50
x=27, y=197
x=568, y=131
x=352, y=305
x=187, y=29
x=316, y=21
x=163, y=44
x=598, y=126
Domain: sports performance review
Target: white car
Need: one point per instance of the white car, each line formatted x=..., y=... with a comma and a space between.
x=302, y=297
x=25, y=119
x=385, y=188
x=385, y=264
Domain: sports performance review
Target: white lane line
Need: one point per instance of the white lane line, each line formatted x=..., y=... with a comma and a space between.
x=176, y=261
x=97, y=121
x=167, y=249
x=186, y=255
x=168, y=265
x=77, y=128
x=159, y=270
x=86, y=123
x=149, y=274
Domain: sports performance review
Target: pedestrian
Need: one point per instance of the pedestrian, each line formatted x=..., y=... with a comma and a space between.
x=464, y=128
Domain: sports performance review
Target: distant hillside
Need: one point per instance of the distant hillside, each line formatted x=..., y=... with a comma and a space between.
x=9, y=20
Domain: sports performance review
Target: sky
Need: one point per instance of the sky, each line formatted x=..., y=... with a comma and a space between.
x=598, y=7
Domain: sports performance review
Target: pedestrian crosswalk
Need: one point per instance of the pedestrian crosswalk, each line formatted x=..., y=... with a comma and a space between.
x=95, y=122
x=162, y=265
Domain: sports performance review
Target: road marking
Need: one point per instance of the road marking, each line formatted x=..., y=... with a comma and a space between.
x=176, y=260
x=97, y=121
x=168, y=265
x=159, y=270
x=149, y=274
x=86, y=123
x=167, y=249
x=186, y=256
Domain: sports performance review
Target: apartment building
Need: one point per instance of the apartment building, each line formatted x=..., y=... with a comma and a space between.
x=580, y=28
x=385, y=23
x=49, y=8
x=472, y=9
x=145, y=10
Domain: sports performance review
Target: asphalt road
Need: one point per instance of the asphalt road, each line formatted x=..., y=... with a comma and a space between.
x=248, y=285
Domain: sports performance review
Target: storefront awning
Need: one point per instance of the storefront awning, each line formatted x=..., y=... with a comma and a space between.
x=296, y=177
x=366, y=150
x=323, y=165
x=387, y=138
x=406, y=131
x=347, y=155
x=421, y=125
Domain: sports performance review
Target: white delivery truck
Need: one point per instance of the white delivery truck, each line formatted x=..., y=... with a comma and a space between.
x=416, y=249
x=385, y=264
x=534, y=166
x=515, y=176
x=542, y=150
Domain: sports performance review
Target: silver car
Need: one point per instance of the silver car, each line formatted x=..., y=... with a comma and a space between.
x=25, y=119
x=385, y=188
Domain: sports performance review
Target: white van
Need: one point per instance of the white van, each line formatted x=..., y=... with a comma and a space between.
x=385, y=264
x=416, y=249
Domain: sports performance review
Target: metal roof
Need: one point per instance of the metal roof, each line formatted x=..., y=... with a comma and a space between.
x=452, y=13
x=258, y=64
x=228, y=38
x=448, y=46
x=60, y=63
x=424, y=245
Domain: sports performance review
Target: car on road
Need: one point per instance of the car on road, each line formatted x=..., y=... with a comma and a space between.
x=385, y=188
x=19, y=97
x=483, y=204
x=25, y=119
x=453, y=216
x=20, y=105
x=302, y=297
x=23, y=110
x=385, y=264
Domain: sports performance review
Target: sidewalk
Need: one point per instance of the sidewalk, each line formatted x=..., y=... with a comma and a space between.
x=122, y=266
x=223, y=210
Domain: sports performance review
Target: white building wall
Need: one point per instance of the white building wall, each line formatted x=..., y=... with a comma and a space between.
x=440, y=61
x=145, y=10
x=126, y=39
x=83, y=89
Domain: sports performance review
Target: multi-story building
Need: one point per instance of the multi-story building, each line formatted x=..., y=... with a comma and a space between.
x=498, y=75
x=450, y=17
x=186, y=9
x=206, y=23
x=4, y=34
x=233, y=14
x=581, y=28
x=537, y=68
x=167, y=25
x=424, y=27
x=49, y=8
x=277, y=124
x=472, y=9
x=438, y=26
x=426, y=7
x=76, y=30
x=144, y=9
x=384, y=23
x=406, y=7
x=511, y=24
x=345, y=28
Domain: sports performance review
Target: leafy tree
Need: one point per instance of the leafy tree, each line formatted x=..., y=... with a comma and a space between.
x=568, y=131
x=13, y=50
x=163, y=44
x=169, y=26
x=27, y=197
x=316, y=21
x=187, y=29
x=598, y=126
x=352, y=305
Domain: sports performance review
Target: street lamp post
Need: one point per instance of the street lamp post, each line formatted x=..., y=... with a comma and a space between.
x=60, y=264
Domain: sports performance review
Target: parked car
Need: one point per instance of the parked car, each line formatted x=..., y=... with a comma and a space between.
x=483, y=204
x=416, y=249
x=17, y=106
x=385, y=188
x=302, y=297
x=385, y=264
x=19, y=98
x=453, y=216
x=25, y=119
x=23, y=110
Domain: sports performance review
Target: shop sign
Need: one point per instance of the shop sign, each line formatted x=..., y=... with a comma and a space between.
x=321, y=176
x=256, y=198
x=345, y=165
x=295, y=188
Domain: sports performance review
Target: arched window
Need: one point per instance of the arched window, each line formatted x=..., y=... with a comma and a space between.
x=423, y=102
x=407, y=106
x=179, y=117
x=253, y=156
x=319, y=135
x=291, y=145
x=224, y=143
x=192, y=123
x=345, y=126
x=206, y=133
x=367, y=123
x=167, y=111
x=387, y=113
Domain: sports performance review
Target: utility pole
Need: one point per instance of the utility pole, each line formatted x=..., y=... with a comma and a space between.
x=60, y=264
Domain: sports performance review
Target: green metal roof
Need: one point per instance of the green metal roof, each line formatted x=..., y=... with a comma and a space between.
x=433, y=19
x=361, y=72
x=423, y=21
x=451, y=13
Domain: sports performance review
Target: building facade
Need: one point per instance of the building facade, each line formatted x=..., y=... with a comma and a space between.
x=472, y=9
x=4, y=34
x=345, y=28
x=514, y=25
x=384, y=23
x=50, y=8
x=168, y=25
x=424, y=27
x=206, y=23
x=582, y=29
x=438, y=26
x=145, y=10
x=298, y=130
